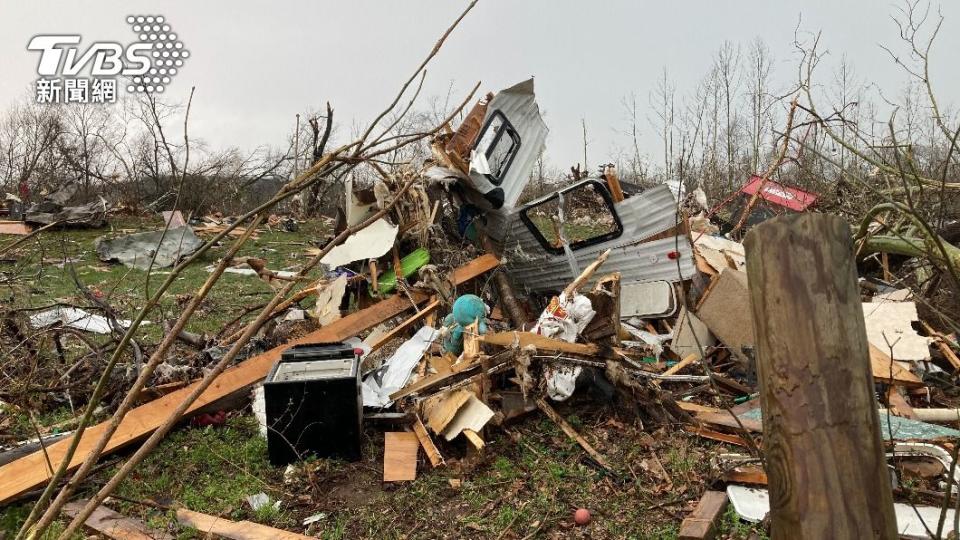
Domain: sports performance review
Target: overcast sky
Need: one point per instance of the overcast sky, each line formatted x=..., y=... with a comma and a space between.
x=256, y=64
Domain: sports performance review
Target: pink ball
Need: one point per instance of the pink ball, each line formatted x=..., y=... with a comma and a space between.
x=581, y=516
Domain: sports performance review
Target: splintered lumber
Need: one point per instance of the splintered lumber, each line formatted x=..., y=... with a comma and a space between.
x=584, y=276
x=886, y=370
x=940, y=341
x=716, y=435
x=440, y=409
x=474, y=438
x=431, y=381
x=689, y=359
x=542, y=343
x=825, y=458
x=234, y=530
x=430, y=449
x=113, y=524
x=402, y=327
x=572, y=433
x=31, y=471
x=400, y=456
x=701, y=524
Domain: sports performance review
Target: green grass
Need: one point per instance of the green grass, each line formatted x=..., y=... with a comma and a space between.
x=40, y=282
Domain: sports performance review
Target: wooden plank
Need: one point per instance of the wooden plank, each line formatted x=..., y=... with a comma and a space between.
x=400, y=456
x=825, y=457
x=727, y=420
x=113, y=524
x=716, y=435
x=542, y=343
x=940, y=341
x=431, y=381
x=749, y=474
x=899, y=405
x=402, y=327
x=702, y=522
x=31, y=472
x=572, y=433
x=690, y=358
x=430, y=449
x=474, y=438
x=18, y=228
x=882, y=367
x=233, y=530
x=440, y=409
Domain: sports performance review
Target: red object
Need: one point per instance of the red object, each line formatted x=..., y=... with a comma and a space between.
x=206, y=419
x=779, y=194
x=581, y=516
x=673, y=255
x=358, y=351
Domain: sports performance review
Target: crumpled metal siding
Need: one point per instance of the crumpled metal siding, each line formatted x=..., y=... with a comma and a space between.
x=518, y=103
x=534, y=270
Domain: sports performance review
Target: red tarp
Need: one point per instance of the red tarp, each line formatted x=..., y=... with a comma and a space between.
x=779, y=194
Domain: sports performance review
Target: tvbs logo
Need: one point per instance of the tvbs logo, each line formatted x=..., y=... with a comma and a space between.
x=148, y=64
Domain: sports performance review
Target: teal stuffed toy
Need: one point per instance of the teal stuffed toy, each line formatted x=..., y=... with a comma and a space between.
x=466, y=309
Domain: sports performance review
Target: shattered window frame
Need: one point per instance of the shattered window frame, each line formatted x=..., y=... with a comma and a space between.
x=505, y=127
x=600, y=188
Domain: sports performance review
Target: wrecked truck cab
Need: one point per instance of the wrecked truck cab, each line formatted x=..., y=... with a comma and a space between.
x=647, y=241
x=511, y=139
x=547, y=242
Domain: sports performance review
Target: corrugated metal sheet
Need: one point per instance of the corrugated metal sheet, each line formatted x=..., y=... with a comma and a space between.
x=654, y=211
x=518, y=103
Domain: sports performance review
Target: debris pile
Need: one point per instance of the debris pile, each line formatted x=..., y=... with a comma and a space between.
x=634, y=303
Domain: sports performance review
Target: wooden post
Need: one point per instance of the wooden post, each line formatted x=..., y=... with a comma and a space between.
x=821, y=431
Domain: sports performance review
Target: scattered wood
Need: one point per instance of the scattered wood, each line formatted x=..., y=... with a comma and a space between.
x=749, y=474
x=940, y=341
x=404, y=326
x=234, y=530
x=400, y=456
x=474, y=438
x=542, y=343
x=702, y=522
x=31, y=472
x=572, y=433
x=113, y=524
x=585, y=275
x=430, y=449
x=689, y=359
x=886, y=370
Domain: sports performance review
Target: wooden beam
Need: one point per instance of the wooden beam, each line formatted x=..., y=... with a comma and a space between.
x=585, y=275
x=886, y=370
x=402, y=327
x=825, y=459
x=114, y=525
x=690, y=358
x=429, y=448
x=940, y=340
x=701, y=524
x=233, y=530
x=31, y=472
x=572, y=433
x=542, y=343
